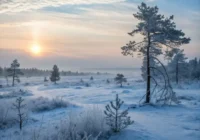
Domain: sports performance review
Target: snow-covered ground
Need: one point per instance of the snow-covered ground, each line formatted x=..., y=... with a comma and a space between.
x=154, y=122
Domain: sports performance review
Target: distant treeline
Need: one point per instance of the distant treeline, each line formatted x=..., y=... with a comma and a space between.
x=29, y=72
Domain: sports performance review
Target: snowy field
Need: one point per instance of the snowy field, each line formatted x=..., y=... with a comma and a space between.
x=154, y=122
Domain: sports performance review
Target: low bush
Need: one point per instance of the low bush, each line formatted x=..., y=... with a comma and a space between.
x=89, y=125
x=7, y=115
x=16, y=93
x=45, y=104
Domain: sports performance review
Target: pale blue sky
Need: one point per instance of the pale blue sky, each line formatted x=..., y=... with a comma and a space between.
x=79, y=34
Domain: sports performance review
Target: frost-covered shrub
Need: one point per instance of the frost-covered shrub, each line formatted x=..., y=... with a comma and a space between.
x=45, y=104
x=87, y=85
x=188, y=98
x=57, y=134
x=108, y=81
x=7, y=115
x=16, y=93
x=139, y=81
x=92, y=121
x=89, y=124
x=26, y=84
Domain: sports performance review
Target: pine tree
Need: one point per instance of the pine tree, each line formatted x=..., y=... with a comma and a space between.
x=55, y=75
x=158, y=32
x=198, y=63
x=91, y=78
x=194, y=67
x=120, y=79
x=14, y=72
x=45, y=79
x=115, y=119
x=1, y=71
x=107, y=81
x=178, y=65
x=20, y=106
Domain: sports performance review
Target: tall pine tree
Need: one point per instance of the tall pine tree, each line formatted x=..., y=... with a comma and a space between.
x=158, y=32
x=55, y=74
x=14, y=71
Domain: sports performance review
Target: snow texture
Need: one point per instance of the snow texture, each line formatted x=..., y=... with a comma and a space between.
x=75, y=100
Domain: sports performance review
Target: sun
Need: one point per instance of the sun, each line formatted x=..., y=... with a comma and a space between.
x=36, y=49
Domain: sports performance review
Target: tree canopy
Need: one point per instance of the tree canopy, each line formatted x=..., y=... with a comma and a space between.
x=159, y=34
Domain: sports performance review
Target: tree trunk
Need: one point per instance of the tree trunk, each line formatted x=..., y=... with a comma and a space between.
x=13, y=83
x=20, y=116
x=7, y=80
x=148, y=92
x=116, y=120
x=20, y=125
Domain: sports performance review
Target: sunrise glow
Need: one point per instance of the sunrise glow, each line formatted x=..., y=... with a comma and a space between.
x=35, y=49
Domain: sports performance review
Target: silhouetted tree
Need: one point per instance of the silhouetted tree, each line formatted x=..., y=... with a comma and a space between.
x=120, y=79
x=14, y=71
x=45, y=79
x=158, y=32
x=1, y=71
x=55, y=75
x=87, y=84
x=91, y=78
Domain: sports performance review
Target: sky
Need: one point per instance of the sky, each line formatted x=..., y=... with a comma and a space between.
x=78, y=34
